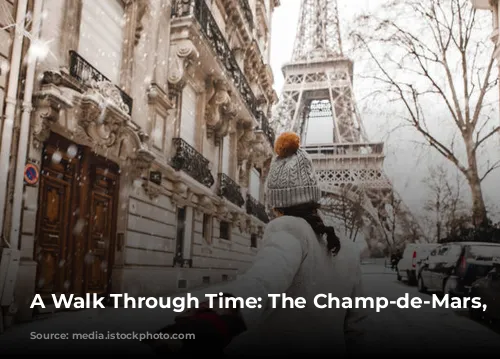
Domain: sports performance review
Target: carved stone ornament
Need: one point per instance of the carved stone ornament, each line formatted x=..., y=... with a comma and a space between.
x=207, y=203
x=104, y=123
x=152, y=189
x=261, y=149
x=48, y=104
x=182, y=57
x=246, y=136
x=156, y=95
x=181, y=188
x=220, y=111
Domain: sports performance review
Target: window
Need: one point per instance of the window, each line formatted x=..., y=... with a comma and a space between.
x=253, y=241
x=206, y=280
x=443, y=251
x=188, y=115
x=102, y=36
x=225, y=277
x=226, y=150
x=207, y=228
x=225, y=230
x=255, y=184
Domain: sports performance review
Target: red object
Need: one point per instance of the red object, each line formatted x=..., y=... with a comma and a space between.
x=218, y=323
x=414, y=262
x=463, y=264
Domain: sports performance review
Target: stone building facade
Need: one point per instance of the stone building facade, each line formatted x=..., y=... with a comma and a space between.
x=149, y=129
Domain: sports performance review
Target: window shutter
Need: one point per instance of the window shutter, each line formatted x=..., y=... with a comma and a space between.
x=101, y=36
x=188, y=115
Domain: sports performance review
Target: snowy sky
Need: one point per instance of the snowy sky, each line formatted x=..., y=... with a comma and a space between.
x=406, y=165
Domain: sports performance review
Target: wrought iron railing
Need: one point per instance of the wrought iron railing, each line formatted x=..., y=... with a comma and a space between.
x=83, y=71
x=266, y=128
x=347, y=149
x=209, y=27
x=256, y=209
x=230, y=190
x=192, y=162
x=247, y=12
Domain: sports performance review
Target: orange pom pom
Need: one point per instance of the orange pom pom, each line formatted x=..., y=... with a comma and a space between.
x=287, y=144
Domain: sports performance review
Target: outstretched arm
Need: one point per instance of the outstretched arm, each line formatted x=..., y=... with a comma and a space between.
x=273, y=270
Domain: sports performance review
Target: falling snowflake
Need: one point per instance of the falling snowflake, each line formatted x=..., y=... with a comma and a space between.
x=72, y=151
x=89, y=258
x=56, y=157
x=78, y=226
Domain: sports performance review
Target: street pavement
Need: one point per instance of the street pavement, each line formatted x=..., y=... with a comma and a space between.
x=391, y=331
x=420, y=331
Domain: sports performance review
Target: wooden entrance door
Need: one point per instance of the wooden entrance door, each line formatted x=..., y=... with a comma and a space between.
x=76, y=222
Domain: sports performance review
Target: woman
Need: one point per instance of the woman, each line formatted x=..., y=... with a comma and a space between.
x=300, y=257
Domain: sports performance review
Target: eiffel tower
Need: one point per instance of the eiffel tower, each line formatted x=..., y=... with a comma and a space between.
x=318, y=103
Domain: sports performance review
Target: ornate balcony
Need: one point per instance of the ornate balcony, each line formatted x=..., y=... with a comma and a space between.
x=266, y=128
x=192, y=162
x=256, y=209
x=230, y=190
x=247, y=12
x=84, y=72
x=198, y=9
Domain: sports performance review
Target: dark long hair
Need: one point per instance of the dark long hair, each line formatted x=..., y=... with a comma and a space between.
x=309, y=212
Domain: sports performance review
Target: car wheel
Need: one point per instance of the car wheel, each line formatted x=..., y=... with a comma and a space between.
x=411, y=279
x=421, y=286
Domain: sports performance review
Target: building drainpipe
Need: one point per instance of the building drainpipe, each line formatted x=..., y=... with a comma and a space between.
x=10, y=107
x=9, y=257
x=24, y=133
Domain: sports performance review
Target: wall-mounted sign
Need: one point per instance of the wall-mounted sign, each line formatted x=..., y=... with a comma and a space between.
x=155, y=177
x=31, y=174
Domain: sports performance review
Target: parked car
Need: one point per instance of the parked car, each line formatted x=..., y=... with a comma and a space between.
x=409, y=265
x=451, y=268
x=488, y=289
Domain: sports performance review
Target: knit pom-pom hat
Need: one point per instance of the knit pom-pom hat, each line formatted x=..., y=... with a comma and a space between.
x=291, y=180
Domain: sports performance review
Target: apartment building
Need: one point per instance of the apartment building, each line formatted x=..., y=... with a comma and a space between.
x=144, y=158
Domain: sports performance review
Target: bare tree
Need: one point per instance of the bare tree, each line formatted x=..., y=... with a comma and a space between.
x=428, y=58
x=445, y=206
x=395, y=233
